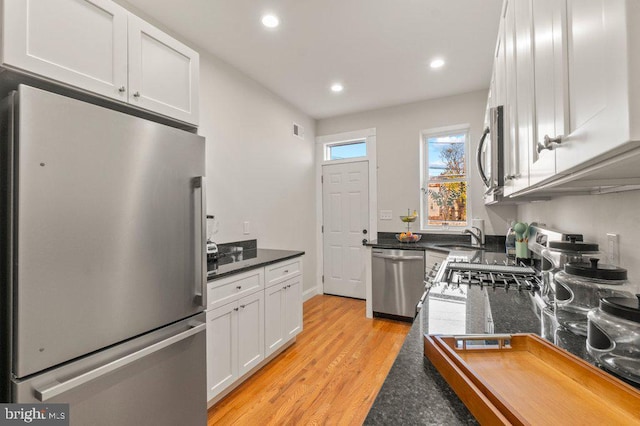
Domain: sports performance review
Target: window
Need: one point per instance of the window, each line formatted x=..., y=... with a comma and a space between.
x=444, y=182
x=344, y=150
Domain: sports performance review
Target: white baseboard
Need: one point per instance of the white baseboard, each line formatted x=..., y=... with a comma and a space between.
x=308, y=294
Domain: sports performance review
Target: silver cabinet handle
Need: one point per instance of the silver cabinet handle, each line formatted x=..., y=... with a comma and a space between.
x=199, y=183
x=136, y=95
x=239, y=287
x=548, y=143
x=242, y=306
x=286, y=271
x=122, y=89
x=60, y=388
x=235, y=309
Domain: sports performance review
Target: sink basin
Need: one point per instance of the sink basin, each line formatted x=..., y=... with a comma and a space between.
x=460, y=247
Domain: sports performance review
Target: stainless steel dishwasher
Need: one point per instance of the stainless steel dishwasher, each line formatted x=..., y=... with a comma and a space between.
x=398, y=282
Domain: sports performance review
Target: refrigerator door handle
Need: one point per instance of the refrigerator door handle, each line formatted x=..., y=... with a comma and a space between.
x=60, y=388
x=201, y=280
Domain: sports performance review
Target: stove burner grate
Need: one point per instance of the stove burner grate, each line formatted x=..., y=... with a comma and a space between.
x=518, y=277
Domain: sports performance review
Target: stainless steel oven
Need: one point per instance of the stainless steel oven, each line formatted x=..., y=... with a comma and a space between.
x=490, y=156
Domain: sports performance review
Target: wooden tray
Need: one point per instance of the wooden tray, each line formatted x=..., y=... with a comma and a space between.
x=522, y=379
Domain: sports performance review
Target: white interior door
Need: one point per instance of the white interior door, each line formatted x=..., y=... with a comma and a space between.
x=345, y=211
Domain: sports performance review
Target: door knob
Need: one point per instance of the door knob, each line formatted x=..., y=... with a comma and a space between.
x=364, y=241
x=364, y=231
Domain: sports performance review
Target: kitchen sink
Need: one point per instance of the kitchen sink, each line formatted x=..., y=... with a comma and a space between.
x=460, y=247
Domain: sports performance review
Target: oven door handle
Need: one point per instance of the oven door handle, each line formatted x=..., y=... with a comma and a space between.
x=483, y=175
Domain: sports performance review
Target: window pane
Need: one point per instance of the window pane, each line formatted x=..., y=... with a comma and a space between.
x=447, y=204
x=446, y=157
x=351, y=150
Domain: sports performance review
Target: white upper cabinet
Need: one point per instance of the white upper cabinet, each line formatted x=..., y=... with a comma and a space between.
x=551, y=88
x=163, y=73
x=99, y=47
x=572, y=94
x=82, y=43
x=598, y=56
x=510, y=111
x=525, y=91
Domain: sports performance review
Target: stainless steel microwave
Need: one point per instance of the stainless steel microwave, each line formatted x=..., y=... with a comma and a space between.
x=490, y=157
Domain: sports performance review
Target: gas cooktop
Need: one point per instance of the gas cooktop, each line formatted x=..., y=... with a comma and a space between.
x=491, y=270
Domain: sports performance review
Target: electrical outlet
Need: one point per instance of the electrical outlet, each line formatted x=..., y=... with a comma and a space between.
x=386, y=214
x=613, y=249
x=245, y=228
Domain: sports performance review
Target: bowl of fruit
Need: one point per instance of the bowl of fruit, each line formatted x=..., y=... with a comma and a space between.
x=408, y=237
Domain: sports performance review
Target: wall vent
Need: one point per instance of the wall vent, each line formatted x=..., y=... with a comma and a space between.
x=298, y=130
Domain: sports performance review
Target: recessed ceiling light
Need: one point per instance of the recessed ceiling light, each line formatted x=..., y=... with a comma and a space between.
x=270, y=21
x=337, y=87
x=437, y=63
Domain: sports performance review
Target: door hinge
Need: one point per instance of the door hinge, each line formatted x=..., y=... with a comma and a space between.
x=323, y=278
x=321, y=178
x=322, y=231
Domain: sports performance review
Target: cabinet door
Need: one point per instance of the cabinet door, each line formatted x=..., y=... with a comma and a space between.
x=511, y=155
x=525, y=91
x=163, y=73
x=82, y=43
x=598, y=80
x=250, y=332
x=551, y=84
x=222, y=348
x=293, y=308
x=274, y=318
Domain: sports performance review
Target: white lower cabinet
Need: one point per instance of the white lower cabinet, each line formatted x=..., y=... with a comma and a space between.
x=222, y=348
x=248, y=328
x=235, y=341
x=250, y=332
x=293, y=308
x=274, y=318
x=283, y=313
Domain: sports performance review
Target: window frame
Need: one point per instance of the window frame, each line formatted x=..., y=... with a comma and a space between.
x=425, y=135
x=328, y=145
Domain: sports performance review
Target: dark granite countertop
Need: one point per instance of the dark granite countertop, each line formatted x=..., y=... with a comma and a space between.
x=241, y=261
x=387, y=240
x=414, y=392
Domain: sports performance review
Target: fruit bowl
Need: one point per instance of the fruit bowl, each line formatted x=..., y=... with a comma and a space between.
x=407, y=219
x=408, y=238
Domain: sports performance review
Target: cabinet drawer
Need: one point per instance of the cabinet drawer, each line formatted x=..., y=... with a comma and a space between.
x=281, y=271
x=226, y=290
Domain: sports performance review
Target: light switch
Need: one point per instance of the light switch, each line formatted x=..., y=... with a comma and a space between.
x=245, y=228
x=386, y=214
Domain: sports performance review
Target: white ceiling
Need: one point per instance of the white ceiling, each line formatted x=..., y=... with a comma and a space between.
x=379, y=49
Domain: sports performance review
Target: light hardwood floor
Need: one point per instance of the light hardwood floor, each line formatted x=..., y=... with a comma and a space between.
x=331, y=375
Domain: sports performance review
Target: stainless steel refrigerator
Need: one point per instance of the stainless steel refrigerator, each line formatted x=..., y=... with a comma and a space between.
x=103, y=263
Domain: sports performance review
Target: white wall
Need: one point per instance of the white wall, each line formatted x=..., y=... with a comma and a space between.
x=594, y=216
x=257, y=171
x=398, y=149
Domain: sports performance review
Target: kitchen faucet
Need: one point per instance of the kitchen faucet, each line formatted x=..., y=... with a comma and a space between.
x=476, y=238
